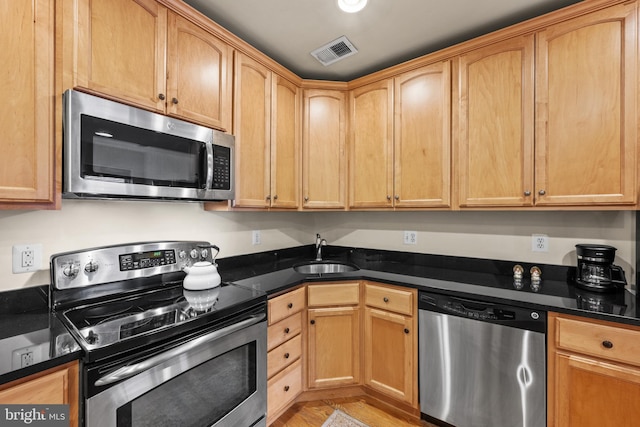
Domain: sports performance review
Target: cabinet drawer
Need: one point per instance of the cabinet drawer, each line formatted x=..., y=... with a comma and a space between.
x=284, y=387
x=284, y=355
x=609, y=342
x=284, y=330
x=398, y=300
x=285, y=305
x=333, y=294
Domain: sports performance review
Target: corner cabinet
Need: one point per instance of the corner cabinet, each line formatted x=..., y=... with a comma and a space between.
x=55, y=386
x=391, y=342
x=139, y=52
x=333, y=327
x=266, y=127
x=324, y=163
x=586, y=113
x=26, y=122
x=594, y=372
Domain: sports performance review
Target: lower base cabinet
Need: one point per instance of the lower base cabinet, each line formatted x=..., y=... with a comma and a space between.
x=594, y=373
x=56, y=386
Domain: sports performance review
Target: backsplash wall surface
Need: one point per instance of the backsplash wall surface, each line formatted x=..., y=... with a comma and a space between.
x=499, y=235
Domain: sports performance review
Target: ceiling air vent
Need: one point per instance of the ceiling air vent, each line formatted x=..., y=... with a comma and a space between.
x=334, y=51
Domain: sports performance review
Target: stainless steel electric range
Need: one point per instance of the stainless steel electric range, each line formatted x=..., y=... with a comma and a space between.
x=157, y=354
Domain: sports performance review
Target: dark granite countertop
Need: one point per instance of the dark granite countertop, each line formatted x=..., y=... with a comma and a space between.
x=26, y=323
x=484, y=279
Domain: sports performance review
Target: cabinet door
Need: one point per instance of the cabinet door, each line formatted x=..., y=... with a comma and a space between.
x=252, y=129
x=591, y=392
x=334, y=346
x=199, y=75
x=323, y=149
x=422, y=141
x=495, y=124
x=122, y=50
x=371, y=145
x=26, y=119
x=285, y=144
x=586, y=81
x=390, y=346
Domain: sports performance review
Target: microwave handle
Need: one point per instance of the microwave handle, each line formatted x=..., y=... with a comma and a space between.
x=128, y=371
x=209, y=165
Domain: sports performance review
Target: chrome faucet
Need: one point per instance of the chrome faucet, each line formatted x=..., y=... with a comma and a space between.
x=320, y=242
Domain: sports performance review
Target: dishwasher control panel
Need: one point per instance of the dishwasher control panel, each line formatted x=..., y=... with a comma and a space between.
x=484, y=314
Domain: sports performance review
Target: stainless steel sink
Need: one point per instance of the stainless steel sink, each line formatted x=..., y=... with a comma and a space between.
x=324, y=267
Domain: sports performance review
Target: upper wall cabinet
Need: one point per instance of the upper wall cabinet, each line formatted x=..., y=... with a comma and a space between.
x=399, y=151
x=495, y=124
x=586, y=116
x=122, y=53
x=27, y=112
x=266, y=127
x=323, y=149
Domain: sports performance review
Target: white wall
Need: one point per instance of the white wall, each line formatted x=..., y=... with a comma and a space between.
x=500, y=235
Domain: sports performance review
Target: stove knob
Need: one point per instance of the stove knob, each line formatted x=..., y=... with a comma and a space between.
x=194, y=253
x=204, y=253
x=91, y=267
x=70, y=270
x=182, y=254
x=92, y=337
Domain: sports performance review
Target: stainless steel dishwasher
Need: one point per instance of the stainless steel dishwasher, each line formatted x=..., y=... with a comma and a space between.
x=481, y=364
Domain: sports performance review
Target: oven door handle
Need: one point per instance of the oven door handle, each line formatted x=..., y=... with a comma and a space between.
x=128, y=371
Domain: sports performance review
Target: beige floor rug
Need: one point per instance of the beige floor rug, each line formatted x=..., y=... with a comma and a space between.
x=340, y=419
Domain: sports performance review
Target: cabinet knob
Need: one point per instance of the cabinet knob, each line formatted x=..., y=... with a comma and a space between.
x=397, y=197
x=313, y=322
x=290, y=305
x=286, y=355
x=275, y=197
x=286, y=388
x=607, y=344
x=268, y=197
x=388, y=198
x=174, y=100
x=406, y=331
x=527, y=193
x=286, y=330
x=385, y=299
x=542, y=192
x=306, y=198
x=161, y=96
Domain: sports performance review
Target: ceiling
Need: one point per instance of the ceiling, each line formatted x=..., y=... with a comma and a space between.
x=385, y=33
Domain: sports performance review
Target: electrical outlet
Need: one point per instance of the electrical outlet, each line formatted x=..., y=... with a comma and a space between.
x=256, y=237
x=410, y=237
x=27, y=258
x=539, y=243
x=23, y=357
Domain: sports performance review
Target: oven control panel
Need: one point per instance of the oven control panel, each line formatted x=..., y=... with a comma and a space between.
x=123, y=262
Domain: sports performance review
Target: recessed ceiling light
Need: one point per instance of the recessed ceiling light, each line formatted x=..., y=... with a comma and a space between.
x=352, y=6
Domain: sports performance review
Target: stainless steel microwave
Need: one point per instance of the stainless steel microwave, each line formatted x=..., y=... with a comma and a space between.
x=115, y=151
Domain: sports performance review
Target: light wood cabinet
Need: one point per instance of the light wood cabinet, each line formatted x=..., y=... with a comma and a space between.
x=495, y=124
x=400, y=140
x=284, y=356
x=586, y=114
x=266, y=127
x=323, y=149
x=26, y=117
x=391, y=342
x=333, y=331
x=55, y=386
x=139, y=52
x=594, y=372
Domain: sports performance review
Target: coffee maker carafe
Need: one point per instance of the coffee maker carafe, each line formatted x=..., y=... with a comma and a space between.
x=596, y=270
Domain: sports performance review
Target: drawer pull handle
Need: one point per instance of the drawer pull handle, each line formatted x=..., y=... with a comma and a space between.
x=607, y=344
x=406, y=331
x=290, y=305
x=286, y=388
x=313, y=322
x=385, y=299
x=286, y=355
x=286, y=330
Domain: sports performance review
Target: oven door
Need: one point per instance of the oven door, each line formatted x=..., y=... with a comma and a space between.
x=217, y=379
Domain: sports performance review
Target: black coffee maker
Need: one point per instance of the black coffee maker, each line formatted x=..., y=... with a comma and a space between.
x=596, y=270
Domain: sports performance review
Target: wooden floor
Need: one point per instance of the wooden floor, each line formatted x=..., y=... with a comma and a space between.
x=313, y=414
